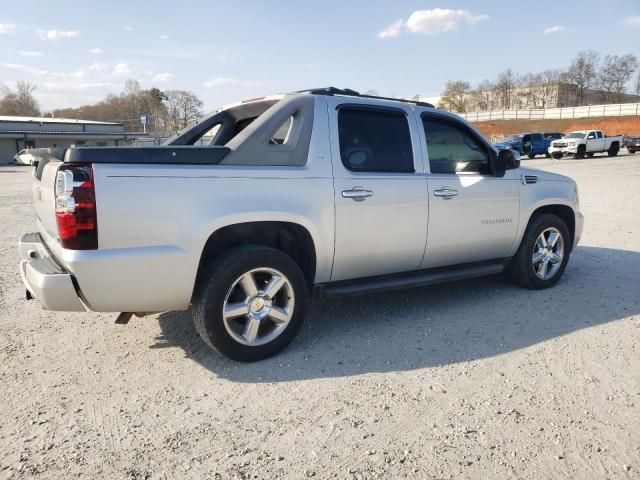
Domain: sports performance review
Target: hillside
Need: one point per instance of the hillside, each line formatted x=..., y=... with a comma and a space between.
x=609, y=125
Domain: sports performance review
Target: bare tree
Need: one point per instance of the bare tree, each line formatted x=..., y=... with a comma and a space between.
x=614, y=75
x=21, y=101
x=483, y=97
x=505, y=87
x=182, y=108
x=581, y=74
x=456, y=96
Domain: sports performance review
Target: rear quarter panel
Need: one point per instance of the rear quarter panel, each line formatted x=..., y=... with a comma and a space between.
x=153, y=223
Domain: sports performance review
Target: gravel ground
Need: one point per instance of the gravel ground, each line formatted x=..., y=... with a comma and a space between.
x=477, y=379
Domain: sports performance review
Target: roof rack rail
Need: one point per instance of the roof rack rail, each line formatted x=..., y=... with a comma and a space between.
x=352, y=93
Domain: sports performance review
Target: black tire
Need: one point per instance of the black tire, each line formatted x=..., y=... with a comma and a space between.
x=521, y=269
x=214, y=284
x=532, y=156
x=613, y=150
x=581, y=152
x=548, y=155
x=556, y=155
x=631, y=152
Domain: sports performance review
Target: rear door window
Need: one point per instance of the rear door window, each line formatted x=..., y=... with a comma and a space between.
x=375, y=140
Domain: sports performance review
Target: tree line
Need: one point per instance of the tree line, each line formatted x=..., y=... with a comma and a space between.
x=589, y=77
x=165, y=110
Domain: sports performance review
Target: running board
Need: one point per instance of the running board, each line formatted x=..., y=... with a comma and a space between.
x=410, y=279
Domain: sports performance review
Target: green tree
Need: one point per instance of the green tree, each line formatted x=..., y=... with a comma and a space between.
x=456, y=96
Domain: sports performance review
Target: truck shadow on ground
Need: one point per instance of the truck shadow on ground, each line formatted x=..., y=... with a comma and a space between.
x=432, y=326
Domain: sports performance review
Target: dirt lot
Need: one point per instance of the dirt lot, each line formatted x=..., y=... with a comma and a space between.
x=609, y=125
x=477, y=379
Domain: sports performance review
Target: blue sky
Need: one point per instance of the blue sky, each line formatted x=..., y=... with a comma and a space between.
x=78, y=51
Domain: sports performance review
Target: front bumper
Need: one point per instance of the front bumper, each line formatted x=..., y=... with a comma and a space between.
x=44, y=278
x=563, y=150
x=578, y=229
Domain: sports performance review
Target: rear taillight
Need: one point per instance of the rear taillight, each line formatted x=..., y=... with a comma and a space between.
x=76, y=207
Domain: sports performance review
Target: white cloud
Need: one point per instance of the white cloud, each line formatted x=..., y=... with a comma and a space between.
x=57, y=34
x=96, y=51
x=555, y=29
x=97, y=67
x=31, y=54
x=122, y=69
x=233, y=82
x=163, y=77
x=163, y=37
x=632, y=22
x=432, y=22
x=128, y=28
x=26, y=69
x=7, y=28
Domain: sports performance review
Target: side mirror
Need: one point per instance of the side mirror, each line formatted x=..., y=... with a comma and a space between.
x=505, y=160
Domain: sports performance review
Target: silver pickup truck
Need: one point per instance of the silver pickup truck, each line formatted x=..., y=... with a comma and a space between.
x=243, y=216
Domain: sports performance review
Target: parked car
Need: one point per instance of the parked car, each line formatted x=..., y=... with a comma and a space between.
x=324, y=191
x=632, y=144
x=585, y=143
x=530, y=144
x=23, y=157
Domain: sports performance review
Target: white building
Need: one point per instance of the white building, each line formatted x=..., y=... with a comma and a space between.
x=18, y=133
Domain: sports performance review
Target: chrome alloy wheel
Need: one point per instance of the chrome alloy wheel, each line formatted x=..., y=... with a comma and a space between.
x=258, y=306
x=548, y=253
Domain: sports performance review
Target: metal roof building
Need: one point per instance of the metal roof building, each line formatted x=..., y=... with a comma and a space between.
x=18, y=133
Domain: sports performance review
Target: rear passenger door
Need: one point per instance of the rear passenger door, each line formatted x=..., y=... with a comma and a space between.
x=380, y=189
x=473, y=214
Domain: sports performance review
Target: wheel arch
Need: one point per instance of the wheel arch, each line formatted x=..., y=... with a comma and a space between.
x=290, y=238
x=564, y=212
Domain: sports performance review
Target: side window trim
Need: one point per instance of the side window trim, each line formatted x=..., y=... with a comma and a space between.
x=379, y=109
x=446, y=119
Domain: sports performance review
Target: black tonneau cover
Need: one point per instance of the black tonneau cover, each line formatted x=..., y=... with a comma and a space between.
x=162, y=155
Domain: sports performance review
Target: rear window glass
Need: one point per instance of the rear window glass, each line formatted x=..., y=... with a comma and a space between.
x=374, y=140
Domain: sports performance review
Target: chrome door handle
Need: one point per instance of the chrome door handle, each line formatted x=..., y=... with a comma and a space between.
x=357, y=194
x=446, y=192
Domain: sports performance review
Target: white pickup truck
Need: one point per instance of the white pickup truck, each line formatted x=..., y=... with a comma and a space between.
x=585, y=143
x=323, y=191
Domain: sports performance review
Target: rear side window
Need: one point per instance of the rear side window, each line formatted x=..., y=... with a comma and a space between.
x=453, y=148
x=374, y=140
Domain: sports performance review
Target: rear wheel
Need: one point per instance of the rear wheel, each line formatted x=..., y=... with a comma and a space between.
x=532, y=156
x=613, y=150
x=543, y=253
x=250, y=302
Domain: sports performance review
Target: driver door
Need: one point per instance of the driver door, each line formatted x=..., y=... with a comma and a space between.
x=473, y=214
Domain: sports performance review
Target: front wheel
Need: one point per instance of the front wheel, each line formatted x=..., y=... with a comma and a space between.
x=581, y=152
x=543, y=253
x=250, y=302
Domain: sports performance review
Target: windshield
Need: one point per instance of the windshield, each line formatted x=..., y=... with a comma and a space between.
x=512, y=138
x=575, y=135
